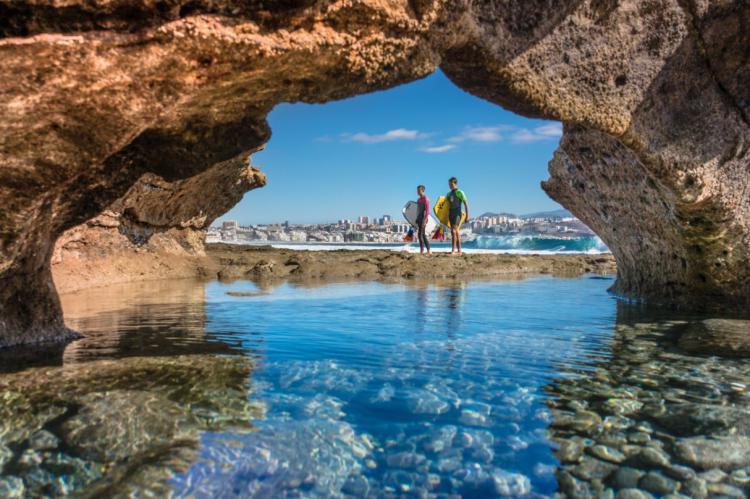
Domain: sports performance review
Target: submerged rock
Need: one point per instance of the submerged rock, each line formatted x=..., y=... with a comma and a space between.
x=12, y=487
x=43, y=440
x=723, y=337
x=658, y=484
x=719, y=452
x=626, y=477
x=509, y=484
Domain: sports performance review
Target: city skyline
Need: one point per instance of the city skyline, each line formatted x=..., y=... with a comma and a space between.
x=398, y=218
x=366, y=155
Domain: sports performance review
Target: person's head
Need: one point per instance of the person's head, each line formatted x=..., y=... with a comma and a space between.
x=420, y=190
x=453, y=182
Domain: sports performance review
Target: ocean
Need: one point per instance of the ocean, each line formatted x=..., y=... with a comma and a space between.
x=512, y=244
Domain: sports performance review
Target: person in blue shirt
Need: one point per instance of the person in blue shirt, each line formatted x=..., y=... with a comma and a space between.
x=456, y=198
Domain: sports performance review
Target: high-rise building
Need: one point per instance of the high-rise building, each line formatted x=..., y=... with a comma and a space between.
x=363, y=220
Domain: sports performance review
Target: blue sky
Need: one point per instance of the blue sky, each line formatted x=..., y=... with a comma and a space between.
x=367, y=154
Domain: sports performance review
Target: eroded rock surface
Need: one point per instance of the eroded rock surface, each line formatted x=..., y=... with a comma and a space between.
x=654, y=95
x=156, y=230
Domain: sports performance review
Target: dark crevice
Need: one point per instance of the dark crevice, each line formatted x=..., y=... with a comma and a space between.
x=688, y=6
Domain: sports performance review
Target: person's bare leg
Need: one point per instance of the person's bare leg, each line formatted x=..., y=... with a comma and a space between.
x=453, y=241
x=458, y=242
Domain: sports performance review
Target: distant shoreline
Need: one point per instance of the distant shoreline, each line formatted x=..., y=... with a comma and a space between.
x=470, y=247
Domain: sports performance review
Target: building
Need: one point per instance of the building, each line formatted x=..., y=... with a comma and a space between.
x=363, y=220
x=400, y=228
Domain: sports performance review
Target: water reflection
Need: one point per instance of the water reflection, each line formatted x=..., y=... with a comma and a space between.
x=122, y=410
x=312, y=389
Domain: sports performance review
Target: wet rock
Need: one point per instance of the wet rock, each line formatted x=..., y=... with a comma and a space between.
x=472, y=418
x=722, y=337
x=720, y=452
x=405, y=460
x=695, y=487
x=590, y=468
x=357, y=486
x=703, y=419
x=713, y=476
x=607, y=454
x=449, y=465
x=385, y=394
x=441, y=439
x=509, y=484
x=626, y=477
x=426, y=402
x=117, y=425
x=570, y=451
x=43, y=440
x=12, y=487
x=5, y=456
x=679, y=472
x=650, y=457
x=623, y=406
x=725, y=490
x=658, y=484
x=740, y=477
x=573, y=487
x=633, y=494
x=433, y=481
x=613, y=423
x=30, y=458
x=639, y=438
x=580, y=421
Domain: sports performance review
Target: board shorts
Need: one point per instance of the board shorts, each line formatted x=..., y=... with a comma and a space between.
x=454, y=217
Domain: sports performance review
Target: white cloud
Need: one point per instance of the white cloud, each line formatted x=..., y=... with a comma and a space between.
x=397, y=134
x=482, y=133
x=550, y=130
x=544, y=132
x=438, y=149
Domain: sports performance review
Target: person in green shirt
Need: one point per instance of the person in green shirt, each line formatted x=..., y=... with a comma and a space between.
x=455, y=198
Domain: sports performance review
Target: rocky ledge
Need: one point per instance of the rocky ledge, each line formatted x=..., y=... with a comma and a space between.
x=654, y=96
x=268, y=264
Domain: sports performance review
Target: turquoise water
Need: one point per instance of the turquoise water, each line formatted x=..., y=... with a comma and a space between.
x=405, y=389
x=354, y=389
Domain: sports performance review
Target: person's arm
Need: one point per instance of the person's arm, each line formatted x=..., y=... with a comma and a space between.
x=466, y=204
x=426, y=212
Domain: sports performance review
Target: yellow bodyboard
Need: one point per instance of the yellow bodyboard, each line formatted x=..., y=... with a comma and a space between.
x=442, y=211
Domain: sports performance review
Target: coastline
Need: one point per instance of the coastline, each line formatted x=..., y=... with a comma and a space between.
x=229, y=262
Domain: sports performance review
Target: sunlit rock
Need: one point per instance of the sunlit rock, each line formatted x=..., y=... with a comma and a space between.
x=653, y=97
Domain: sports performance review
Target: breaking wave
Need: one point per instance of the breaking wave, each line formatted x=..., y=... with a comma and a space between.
x=537, y=242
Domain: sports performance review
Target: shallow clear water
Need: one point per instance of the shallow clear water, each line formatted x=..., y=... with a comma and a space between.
x=509, y=388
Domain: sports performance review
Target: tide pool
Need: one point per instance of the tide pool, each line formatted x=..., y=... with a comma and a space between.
x=520, y=388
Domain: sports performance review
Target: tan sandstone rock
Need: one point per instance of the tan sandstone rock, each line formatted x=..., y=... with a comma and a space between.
x=654, y=95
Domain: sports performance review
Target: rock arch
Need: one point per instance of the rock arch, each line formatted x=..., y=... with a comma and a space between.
x=653, y=93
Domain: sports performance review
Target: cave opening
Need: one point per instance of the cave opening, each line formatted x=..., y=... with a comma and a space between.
x=340, y=172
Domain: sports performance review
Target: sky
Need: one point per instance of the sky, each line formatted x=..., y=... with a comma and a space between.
x=366, y=155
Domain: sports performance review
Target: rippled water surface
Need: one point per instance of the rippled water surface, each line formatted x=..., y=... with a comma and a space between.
x=514, y=388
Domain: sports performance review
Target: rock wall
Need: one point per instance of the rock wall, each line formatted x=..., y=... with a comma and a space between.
x=156, y=230
x=651, y=91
